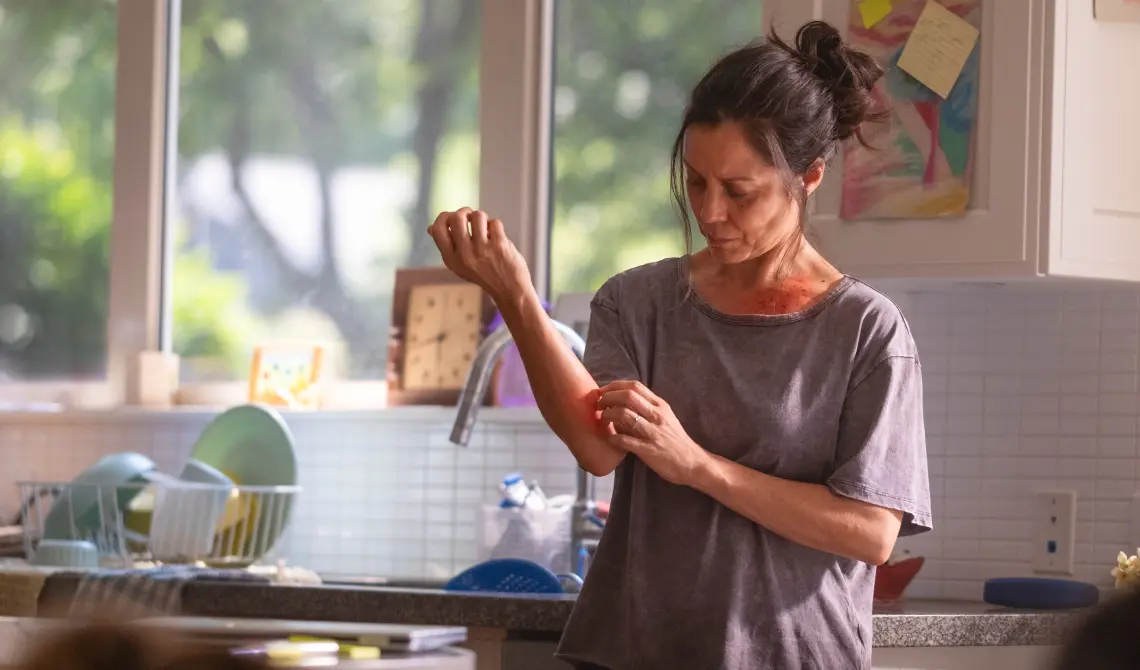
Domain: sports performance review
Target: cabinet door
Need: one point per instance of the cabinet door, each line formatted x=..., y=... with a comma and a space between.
x=1095, y=215
x=962, y=658
x=999, y=235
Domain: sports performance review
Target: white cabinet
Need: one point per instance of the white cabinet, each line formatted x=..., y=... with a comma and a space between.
x=534, y=655
x=962, y=658
x=1056, y=182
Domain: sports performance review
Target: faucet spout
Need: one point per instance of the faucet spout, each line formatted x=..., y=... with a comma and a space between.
x=479, y=378
x=584, y=526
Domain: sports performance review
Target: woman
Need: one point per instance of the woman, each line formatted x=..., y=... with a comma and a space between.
x=763, y=411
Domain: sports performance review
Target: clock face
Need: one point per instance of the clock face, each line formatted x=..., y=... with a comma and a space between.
x=441, y=335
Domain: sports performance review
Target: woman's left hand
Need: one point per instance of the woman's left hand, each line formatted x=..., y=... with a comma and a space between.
x=647, y=428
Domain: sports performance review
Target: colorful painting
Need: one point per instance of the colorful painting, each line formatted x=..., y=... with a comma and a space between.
x=921, y=163
x=286, y=375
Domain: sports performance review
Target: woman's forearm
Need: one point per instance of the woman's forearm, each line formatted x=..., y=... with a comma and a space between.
x=564, y=390
x=808, y=514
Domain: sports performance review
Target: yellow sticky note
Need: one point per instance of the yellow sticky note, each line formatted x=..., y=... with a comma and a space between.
x=938, y=48
x=874, y=11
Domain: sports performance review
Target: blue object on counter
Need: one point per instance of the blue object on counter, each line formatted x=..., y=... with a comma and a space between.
x=506, y=575
x=1040, y=593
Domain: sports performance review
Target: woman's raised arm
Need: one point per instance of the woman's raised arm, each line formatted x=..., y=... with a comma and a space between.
x=477, y=249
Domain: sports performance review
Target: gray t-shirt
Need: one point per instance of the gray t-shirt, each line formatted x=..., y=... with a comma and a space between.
x=831, y=395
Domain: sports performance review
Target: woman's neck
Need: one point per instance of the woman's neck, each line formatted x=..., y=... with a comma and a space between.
x=768, y=284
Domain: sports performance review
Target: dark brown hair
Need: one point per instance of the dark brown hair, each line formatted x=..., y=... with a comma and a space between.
x=796, y=103
x=1105, y=638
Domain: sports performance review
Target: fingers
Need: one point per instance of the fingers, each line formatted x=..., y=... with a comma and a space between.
x=460, y=237
x=438, y=232
x=626, y=421
x=634, y=386
x=629, y=443
x=496, y=234
x=478, y=225
x=631, y=400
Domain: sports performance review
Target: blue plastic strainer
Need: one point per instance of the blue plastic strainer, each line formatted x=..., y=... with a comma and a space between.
x=506, y=575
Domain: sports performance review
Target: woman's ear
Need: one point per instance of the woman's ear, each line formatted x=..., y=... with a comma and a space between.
x=813, y=177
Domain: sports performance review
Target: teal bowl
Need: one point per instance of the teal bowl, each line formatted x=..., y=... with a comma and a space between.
x=78, y=512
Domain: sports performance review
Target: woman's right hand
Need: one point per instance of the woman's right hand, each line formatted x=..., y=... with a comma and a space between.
x=476, y=248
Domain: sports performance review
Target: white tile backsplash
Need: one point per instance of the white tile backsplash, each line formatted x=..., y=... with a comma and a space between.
x=1026, y=388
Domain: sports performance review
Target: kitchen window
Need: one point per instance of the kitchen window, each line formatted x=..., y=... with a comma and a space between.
x=57, y=147
x=622, y=74
x=314, y=146
x=271, y=171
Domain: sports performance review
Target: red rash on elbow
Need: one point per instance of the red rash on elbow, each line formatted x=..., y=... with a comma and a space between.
x=591, y=415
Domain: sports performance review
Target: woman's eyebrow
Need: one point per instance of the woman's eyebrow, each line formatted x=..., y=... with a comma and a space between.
x=738, y=179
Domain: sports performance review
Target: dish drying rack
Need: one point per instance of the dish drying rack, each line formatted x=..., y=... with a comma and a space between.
x=250, y=523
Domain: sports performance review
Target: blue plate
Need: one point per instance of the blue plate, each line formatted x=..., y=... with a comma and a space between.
x=506, y=575
x=1040, y=593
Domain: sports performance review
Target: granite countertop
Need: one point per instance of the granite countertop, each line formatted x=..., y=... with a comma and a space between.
x=907, y=624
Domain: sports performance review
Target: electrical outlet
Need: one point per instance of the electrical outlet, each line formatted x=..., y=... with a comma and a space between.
x=1054, y=531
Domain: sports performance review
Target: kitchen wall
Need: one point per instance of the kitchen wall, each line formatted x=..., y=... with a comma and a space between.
x=1027, y=387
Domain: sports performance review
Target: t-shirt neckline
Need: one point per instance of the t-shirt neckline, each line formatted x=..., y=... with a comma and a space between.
x=690, y=293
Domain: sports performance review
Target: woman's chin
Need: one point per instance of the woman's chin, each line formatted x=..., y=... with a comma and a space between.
x=727, y=254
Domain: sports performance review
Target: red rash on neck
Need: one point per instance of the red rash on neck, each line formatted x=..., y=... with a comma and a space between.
x=793, y=295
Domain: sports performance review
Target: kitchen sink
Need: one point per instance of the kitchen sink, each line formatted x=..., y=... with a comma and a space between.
x=383, y=582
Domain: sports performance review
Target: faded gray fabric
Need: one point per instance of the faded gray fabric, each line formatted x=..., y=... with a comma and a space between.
x=831, y=395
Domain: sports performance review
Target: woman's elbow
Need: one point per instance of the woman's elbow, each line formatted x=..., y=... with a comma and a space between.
x=879, y=541
x=878, y=554
x=599, y=467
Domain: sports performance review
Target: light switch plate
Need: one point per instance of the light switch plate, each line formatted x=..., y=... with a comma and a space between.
x=1054, y=531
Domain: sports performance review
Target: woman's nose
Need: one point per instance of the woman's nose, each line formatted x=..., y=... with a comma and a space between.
x=714, y=206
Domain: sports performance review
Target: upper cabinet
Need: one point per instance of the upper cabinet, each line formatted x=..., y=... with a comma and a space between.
x=1056, y=151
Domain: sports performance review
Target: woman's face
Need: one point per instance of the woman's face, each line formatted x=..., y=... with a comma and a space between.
x=738, y=199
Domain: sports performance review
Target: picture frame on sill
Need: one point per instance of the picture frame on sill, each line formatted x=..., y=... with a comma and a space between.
x=287, y=374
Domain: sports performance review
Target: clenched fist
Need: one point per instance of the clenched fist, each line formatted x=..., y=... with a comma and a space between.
x=476, y=248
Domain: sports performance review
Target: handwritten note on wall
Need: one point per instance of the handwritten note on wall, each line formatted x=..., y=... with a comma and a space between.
x=938, y=48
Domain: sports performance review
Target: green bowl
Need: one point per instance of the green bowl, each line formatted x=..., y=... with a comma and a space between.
x=251, y=445
x=75, y=512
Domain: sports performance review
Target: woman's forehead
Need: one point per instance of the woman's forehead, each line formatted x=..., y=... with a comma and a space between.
x=724, y=151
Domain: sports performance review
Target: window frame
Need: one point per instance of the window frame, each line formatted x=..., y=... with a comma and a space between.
x=515, y=92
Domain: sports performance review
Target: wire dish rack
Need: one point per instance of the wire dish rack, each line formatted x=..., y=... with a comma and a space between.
x=165, y=521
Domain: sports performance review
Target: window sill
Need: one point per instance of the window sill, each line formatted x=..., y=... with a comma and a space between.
x=144, y=415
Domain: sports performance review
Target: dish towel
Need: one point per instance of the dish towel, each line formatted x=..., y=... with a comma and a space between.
x=20, y=588
x=134, y=594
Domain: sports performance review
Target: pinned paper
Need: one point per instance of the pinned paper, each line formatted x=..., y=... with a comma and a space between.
x=938, y=48
x=874, y=11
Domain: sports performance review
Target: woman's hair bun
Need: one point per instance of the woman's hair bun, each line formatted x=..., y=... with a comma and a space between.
x=848, y=73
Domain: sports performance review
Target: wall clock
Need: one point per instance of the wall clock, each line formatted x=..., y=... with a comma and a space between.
x=441, y=335
x=438, y=322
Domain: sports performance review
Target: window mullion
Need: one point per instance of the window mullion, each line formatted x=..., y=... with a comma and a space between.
x=514, y=123
x=136, y=232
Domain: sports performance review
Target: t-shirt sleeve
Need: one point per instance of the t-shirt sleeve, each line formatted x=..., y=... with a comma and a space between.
x=609, y=355
x=881, y=451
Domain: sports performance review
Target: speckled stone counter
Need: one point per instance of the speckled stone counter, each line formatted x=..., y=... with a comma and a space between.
x=910, y=624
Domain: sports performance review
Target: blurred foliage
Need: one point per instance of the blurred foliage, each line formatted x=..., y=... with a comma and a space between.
x=337, y=84
x=622, y=75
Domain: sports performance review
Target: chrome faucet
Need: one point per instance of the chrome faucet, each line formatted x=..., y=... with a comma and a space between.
x=585, y=529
